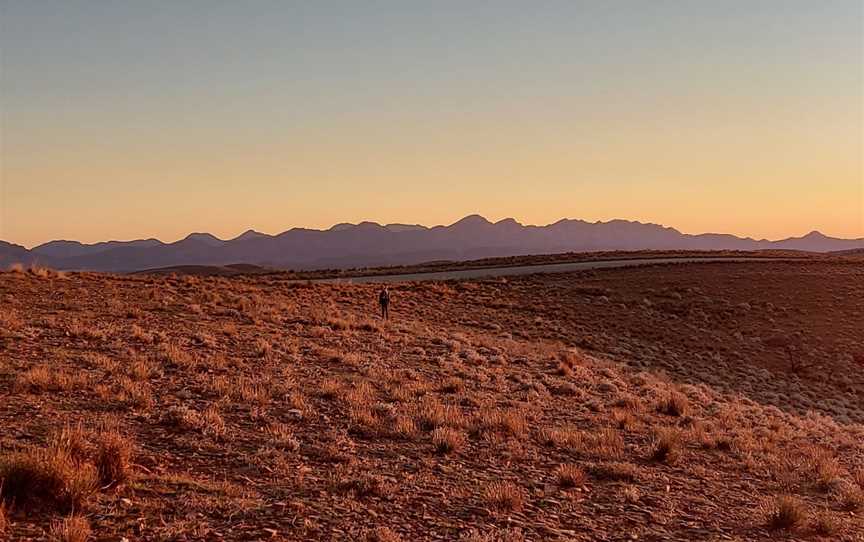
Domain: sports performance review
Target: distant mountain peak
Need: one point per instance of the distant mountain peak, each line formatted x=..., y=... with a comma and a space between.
x=249, y=234
x=207, y=238
x=472, y=220
x=341, y=226
x=404, y=227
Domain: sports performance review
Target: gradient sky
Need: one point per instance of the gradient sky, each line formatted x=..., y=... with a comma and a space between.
x=124, y=120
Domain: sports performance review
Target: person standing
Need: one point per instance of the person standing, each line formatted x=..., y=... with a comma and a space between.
x=384, y=301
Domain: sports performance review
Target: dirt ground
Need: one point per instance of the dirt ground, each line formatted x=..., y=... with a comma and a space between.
x=672, y=402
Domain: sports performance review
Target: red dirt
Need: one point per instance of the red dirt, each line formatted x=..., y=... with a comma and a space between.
x=259, y=409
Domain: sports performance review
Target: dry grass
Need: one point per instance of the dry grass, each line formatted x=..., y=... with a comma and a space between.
x=505, y=422
x=452, y=385
x=175, y=355
x=367, y=485
x=43, y=379
x=4, y=515
x=404, y=427
x=382, y=534
x=828, y=471
x=71, y=529
x=72, y=440
x=415, y=418
x=330, y=388
x=10, y=320
x=112, y=458
x=624, y=419
x=141, y=369
x=858, y=477
x=134, y=394
x=616, y=472
x=667, y=445
x=561, y=437
x=505, y=496
x=263, y=348
x=824, y=523
x=433, y=414
x=447, y=440
x=283, y=437
x=673, y=403
x=850, y=497
x=570, y=475
x=631, y=494
x=49, y=478
x=606, y=443
x=785, y=512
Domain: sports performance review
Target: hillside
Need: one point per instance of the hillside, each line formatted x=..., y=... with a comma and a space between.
x=685, y=402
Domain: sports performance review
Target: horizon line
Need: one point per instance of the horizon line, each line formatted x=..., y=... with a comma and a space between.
x=378, y=224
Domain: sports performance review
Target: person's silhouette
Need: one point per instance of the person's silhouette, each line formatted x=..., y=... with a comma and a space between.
x=384, y=301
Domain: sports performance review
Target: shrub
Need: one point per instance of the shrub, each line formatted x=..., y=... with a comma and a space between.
x=617, y=472
x=447, y=440
x=433, y=414
x=631, y=494
x=561, y=437
x=507, y=422
x=570, y=475
x=674, y=403
x=112, y=458
x=452, y=385
x=505, y=496
x=329, y=389
x=824, y=523
x=48, y=478
x=262, y=348
x=666, y=445
x=624, y=419
x=404, y=426
x=71, y=529
x=785, y=512
x=72, y=441
x=141, y=369
x=283, y=437
x=608, y=443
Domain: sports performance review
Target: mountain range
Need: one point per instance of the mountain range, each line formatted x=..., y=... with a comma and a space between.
x=372, y=244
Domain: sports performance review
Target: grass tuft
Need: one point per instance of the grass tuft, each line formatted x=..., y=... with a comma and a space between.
x=785, y=513
x=47, y=478
x=447, y=440
x=570, y=475
x=71, y=529
x=505, y=496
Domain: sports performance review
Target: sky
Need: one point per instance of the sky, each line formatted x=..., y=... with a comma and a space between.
x=125, y=120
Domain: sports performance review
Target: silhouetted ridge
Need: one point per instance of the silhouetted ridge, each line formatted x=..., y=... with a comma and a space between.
x=371, y=244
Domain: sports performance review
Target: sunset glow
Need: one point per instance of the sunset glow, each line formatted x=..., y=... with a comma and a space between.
x=128, y=121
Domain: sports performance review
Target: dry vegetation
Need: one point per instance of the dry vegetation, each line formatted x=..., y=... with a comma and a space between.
x=689, y=402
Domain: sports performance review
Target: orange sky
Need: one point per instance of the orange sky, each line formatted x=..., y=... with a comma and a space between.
x=731, y=118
